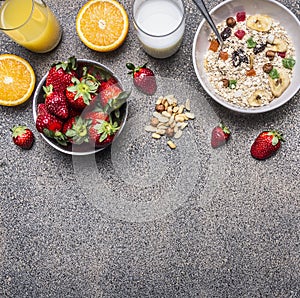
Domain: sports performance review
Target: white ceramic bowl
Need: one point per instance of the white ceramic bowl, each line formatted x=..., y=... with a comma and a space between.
x=229, y=8
x=77, y=149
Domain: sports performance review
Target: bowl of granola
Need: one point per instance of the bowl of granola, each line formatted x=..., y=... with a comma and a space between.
x=257, y=69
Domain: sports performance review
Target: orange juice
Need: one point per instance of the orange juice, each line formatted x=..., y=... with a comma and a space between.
x=31, y=24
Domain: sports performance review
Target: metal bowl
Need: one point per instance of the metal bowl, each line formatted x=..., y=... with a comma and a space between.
x=228, y=8
x=78, y=149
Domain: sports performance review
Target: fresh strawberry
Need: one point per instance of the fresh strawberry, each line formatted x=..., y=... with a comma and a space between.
x=49, y=122
x=73, y=113
x=266, y=144
x=56, y=102
x=102, y=133
x=108, y=90
x=81, y=92
x=41, y=110
x=76, y=130
x=219, y=136
x=22, y=136
x=143, y=78
x=95, y=116
x=60, y=74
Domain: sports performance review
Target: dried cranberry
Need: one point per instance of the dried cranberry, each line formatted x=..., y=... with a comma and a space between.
x=259, y=48
x=240, y=34
x=281, y=54
x=226, y=33
x=241, y=16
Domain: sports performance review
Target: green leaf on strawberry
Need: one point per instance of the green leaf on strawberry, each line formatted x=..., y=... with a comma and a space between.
x=78, y=133
x=115, y=103
x=57, y=135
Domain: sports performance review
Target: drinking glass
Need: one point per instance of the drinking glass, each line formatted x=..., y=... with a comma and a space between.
x=31, y=24
x=159, y=25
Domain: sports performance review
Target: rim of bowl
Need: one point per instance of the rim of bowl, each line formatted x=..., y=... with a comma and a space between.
x=52, y=143
x=221, y=101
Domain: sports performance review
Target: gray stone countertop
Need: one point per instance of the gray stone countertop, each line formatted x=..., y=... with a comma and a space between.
x=138, y=220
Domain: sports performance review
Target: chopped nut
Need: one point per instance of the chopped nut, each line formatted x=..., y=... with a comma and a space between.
x=190, y=115
x=230, y=22
x=166, y=114
x=181, y=109
x=160, y=131
x=160, y=108
x=179, y=118
x=267, y=67
x=270, y=54
x=171, y=145
x=170, y=109
x=158, y=102
x=156, y=136
x=175, y=109
x=188, y=104
x=178, y=134
x=225, y=83
x=150, y=128
x=170, y=132
x=154, y=121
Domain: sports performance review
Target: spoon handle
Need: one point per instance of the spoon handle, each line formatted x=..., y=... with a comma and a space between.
x=205, y=13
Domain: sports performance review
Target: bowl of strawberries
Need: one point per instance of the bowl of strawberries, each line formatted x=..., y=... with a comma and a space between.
x=80, y=106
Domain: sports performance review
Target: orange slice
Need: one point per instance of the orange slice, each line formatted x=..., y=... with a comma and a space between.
x=102, y=25
x=17, y=80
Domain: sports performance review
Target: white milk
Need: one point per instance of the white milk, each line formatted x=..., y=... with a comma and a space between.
x=158, y=21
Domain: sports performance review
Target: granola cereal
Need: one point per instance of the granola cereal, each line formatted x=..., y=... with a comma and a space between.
x=255, y=64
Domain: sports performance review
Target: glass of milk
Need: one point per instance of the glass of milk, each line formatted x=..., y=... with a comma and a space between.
x=159, y=25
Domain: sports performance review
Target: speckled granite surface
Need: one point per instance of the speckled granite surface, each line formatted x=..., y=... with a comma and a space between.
x=130, y=222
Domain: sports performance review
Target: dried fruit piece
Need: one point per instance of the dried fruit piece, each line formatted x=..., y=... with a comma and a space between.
x=238, y=57
x=274, y=73
x=270, y=38
x=259, y=22
x=279, y=85
x=240, y=34
x=279, y=45
x=288, y=63
x=258, y=98
x=226, y=33
x=259, y=48
x=223, y=55
x=232, y=84
x=251, y=72
x=251, y=43
x=241, y=16
x=214, y=45
x=281, y=54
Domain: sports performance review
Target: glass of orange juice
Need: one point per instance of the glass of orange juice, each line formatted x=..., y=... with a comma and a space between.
x=31, y=24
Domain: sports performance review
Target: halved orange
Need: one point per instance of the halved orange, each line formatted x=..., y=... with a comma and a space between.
x=102, y=25
x=17, y=80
